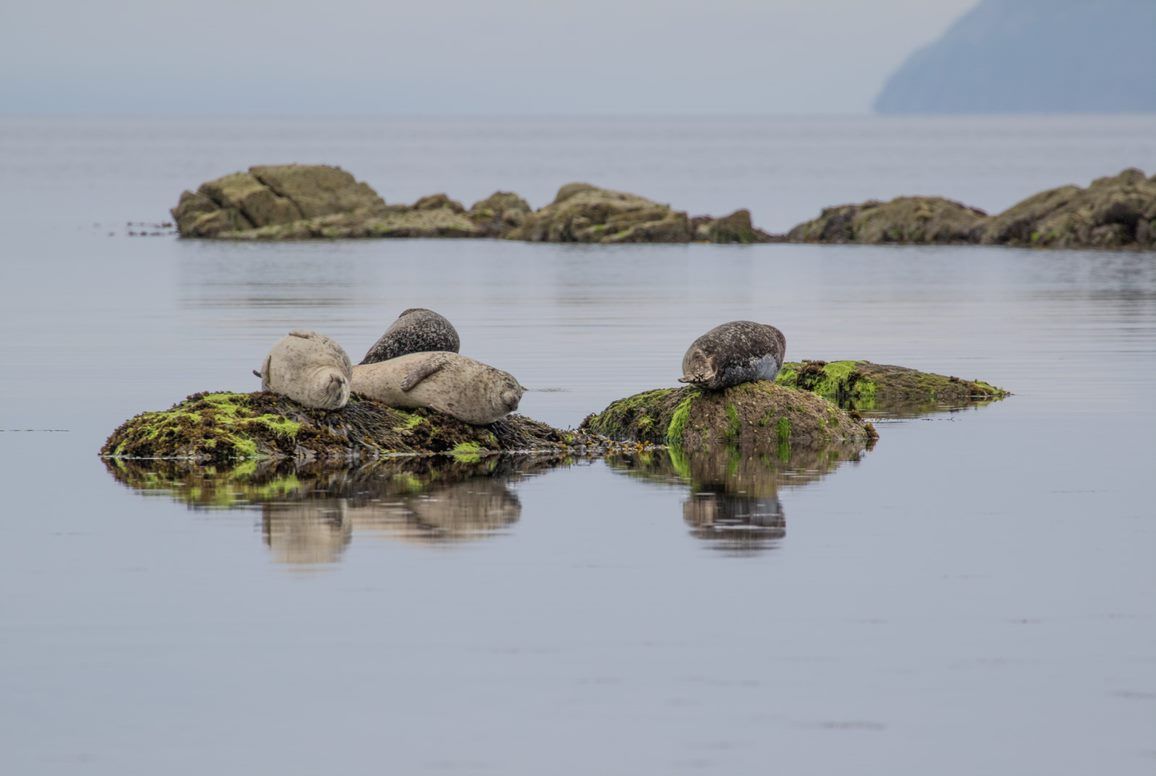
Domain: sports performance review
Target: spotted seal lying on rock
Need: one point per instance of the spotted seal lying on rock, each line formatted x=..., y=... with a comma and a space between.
x=469, y=390
x=417, y=330
x=310, y=369
x=734, y=353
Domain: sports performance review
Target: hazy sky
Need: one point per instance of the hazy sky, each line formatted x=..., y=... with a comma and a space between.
x=458, y=56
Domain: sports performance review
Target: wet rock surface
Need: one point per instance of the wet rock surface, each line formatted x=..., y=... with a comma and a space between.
x=1113, y=212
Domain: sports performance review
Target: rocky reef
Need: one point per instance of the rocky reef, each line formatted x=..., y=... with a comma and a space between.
x=1113, y=212
x=298, y=202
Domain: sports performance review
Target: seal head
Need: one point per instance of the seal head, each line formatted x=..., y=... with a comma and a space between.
x=417, y=330
x=310, y=369
x=734, y=353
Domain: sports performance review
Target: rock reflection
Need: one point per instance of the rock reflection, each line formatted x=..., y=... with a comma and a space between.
x=733, y=502
x=310, y=514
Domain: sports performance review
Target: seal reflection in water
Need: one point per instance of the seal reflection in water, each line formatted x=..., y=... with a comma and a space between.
x=734, y=353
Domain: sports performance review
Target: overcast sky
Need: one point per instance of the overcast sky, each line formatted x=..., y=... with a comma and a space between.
x=458, y=56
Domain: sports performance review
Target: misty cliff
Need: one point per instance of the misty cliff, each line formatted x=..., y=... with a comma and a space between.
x=1034, y=56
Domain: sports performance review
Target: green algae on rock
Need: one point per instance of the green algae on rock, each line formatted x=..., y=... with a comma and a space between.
x=1113, y=212
x=865, y=386
x=226, y=427
x=758, y=418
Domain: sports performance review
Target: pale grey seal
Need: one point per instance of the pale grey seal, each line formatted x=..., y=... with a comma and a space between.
x=417, y=330
x=734, y=353
x=469, y=390
x=310, y=369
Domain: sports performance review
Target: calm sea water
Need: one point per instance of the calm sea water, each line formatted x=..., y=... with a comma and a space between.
x=974, y=595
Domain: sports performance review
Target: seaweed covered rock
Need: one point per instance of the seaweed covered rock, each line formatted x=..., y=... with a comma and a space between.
x=758, y=418
x=1113, y=212
x=896, y=390
x=225, y=427
x=902, y=220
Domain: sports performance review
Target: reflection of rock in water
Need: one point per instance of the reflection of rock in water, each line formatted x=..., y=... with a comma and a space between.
x=734, y=499
x=310, y=514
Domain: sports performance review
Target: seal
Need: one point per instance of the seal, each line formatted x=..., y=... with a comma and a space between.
x=310, y=369
x=417, y=330
x=469, y=390
x=734, y=353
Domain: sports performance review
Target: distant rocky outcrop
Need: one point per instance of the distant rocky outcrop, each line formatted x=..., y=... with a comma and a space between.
x=297, y=202
x=1034, y=56
x=1113, y=212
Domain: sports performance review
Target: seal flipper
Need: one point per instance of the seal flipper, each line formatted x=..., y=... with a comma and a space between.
x=422, y=370
x=264, y=373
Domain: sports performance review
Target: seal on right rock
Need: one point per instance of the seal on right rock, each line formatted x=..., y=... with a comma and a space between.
x=734, y=353
x=416, y=330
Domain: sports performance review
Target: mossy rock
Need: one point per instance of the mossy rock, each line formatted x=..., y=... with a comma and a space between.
x=865, y=386
x=758, y=418
x=227, y=427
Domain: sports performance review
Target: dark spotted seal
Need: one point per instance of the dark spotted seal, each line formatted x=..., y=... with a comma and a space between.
x=416, y=330
x=734, y=353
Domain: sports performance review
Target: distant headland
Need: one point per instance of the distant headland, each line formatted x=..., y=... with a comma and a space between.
x=1034, y=56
